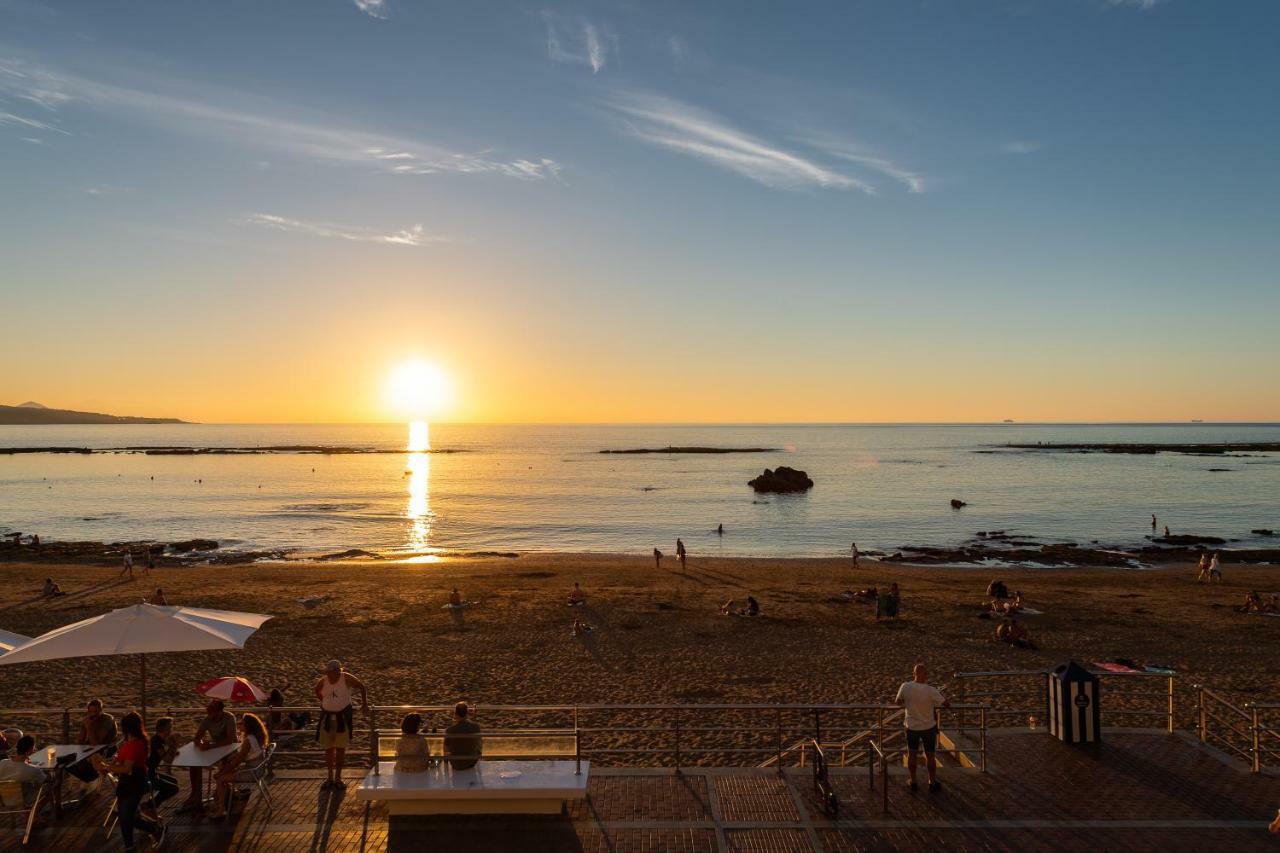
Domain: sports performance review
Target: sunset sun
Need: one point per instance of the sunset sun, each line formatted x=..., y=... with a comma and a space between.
x=417, y=390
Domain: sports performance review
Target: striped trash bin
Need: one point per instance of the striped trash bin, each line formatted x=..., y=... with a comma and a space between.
x=1074, y=715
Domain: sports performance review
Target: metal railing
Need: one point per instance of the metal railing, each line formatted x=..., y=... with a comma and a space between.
x=1245, y=732
x=1013, y=696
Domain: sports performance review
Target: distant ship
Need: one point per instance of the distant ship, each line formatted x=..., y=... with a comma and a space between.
x=1197, y=420
x=1008, y=420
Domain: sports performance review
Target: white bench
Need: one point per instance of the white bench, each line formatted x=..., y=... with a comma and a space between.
x=491, y=787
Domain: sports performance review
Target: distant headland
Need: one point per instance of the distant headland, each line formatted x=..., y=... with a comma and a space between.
x=34, y=414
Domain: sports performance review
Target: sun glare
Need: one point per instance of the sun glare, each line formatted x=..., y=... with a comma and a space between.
x=418, y=390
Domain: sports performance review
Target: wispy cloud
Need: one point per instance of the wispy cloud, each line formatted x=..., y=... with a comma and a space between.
x=34, y=124
x=671, y=124
x=852, y=152
x=1144, y=5
x=373, y=8
x=579, y=42
x=253, y=122
x=414, y=235
x=1020, y=146
x=679, y=49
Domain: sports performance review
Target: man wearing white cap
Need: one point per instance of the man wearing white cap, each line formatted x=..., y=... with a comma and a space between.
x=334, y=690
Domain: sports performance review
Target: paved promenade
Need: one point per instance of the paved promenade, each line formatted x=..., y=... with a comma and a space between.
x=1139, y=791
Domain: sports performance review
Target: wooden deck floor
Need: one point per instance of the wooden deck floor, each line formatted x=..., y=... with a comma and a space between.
x=1138, y=791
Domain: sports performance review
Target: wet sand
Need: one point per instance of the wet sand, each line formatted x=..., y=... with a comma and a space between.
x=659, y=636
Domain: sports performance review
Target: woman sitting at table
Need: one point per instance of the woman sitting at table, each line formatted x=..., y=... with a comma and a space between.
x=253, y=741
x=130, y=767
x=413, y=753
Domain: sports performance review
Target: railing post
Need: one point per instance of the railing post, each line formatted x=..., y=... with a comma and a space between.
x=779, y=740
x=982, y=735
x=373, y=741
x=66, y=725
x=1171, y=705
x=884, y=764
x=961, y=721
x=677, y=716
x=1257, y=744
x=871, y=764
x=577, y=745
x=1202, y=722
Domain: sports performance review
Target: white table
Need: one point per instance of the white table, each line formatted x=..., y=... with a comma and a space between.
x=59, y=766
x=491, y=787
x=192, y=757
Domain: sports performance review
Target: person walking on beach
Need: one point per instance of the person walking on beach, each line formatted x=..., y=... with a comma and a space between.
x=1204, y=569
x=681, y=554
x=128, y=564
x=920, y=699
x=1215, y=571
x=657, y=558
x=853, y=550
x=334, y=690
x=151, y=562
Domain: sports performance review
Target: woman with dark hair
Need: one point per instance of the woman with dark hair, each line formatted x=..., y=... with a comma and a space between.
x=130, y=767
x=253, y=742
x=413, y=754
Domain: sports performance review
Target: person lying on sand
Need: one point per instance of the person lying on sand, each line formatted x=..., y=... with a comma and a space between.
x=1252, y=603
x=1014, y=633
x=51, y=589
x=577, y=597
x=1271, y=605
x=868, y=594
x=581, y=628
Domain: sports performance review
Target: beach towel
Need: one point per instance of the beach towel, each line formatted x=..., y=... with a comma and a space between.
x=463, y=606
x=1159, y=668
x=1113, y=667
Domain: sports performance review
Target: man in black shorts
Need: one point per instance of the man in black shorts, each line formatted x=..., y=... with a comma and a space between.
x=920, y=699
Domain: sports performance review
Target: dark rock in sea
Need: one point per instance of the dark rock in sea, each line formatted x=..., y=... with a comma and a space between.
x=1221, y=469
x=956, y=503
x=642, y=450
x=782, y=479
x=189, y=545
x=1188, y=539
x=351, y=554
x=1263, y=531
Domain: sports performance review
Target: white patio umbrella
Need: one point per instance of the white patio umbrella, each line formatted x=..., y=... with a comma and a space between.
x=142, y=629
x=10, y=641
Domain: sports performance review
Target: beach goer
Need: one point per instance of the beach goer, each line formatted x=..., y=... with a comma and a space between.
x=158, y=599
x=997, y=589
x=128, y=564
x=217, y=729
x=17, y=768
x=753, y=607
x=1166, y=531
x=1215, y=568
x=577, y=596
x=719, y=529
x=1272, y=605
x=1252, y=603
x=462, y=739
x=334, y=690
x=97, y=728
x=413, y=753
x=853, y=550
x=51, y=589
x=727, y=608
x=1153, y=521
x=164, y=747
x=581, y=628
x=1203, y=575
x=681, y=554
x=920, y=700
x=455, y=598
x=253, y=742
x=130, y=769
x=151, y=561
x=1274, y=826
x=657, y=558
x=887, y=603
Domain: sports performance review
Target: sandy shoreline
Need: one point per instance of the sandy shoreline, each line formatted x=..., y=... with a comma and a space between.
x=659, y=636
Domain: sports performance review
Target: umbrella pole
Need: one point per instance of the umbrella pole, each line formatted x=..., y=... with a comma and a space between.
x=144, y=687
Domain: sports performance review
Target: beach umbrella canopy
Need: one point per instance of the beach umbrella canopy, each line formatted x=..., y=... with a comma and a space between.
x=10, y=641
x=232, y=688
x=141, y=629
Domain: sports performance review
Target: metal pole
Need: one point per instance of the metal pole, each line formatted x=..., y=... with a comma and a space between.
x=677, y=742
x=144, y=687
x=871, y=764
x=373, y=742
x=577, y=745
x=982, y=722
x=779, y=740
x=961, y=723
x=884, y=764
x=1171, y=708
x=1203, y=723
x=1257, y=751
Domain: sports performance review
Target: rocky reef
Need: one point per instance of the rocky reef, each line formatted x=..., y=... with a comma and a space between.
x=781, y=480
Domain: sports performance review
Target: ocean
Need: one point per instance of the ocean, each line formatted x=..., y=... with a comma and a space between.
x=547, y=488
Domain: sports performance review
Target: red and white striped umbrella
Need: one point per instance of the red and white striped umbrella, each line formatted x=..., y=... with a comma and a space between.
x=232, y=688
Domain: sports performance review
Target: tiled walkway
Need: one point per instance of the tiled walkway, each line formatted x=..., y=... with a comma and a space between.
x=1136, y=791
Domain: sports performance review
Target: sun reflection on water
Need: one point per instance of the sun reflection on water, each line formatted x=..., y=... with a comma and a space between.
x=418, y=510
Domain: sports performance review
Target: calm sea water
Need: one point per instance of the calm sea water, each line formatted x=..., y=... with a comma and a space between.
x=546, y=488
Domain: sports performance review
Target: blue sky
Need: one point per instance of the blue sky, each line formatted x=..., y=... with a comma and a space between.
x=655, y=211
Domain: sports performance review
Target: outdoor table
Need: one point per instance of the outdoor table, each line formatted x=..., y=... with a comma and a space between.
x=190, y=756
x=57, y=769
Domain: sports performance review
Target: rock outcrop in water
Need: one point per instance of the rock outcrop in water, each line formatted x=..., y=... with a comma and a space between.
x=956, y=503
x=781, y=480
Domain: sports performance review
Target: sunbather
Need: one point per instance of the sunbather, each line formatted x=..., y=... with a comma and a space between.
x=577, y=597
x=51, y=589
x=1252, y=603
x=581, y=628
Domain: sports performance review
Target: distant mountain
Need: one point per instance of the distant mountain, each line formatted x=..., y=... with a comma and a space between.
x=33, y=413
x=31, y=404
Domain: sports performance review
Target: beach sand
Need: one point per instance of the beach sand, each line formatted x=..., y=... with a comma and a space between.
x=658, y=638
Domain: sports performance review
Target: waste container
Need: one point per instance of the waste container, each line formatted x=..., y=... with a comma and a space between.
x=1074, y=715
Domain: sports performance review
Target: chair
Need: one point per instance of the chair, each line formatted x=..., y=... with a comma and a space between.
x=13, y=800
x=258, y=772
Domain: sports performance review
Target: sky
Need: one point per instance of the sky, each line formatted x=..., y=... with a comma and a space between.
x=896, y=211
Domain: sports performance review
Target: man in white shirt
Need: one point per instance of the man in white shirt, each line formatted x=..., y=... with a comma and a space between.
x=16, y=768
x=921, y=701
